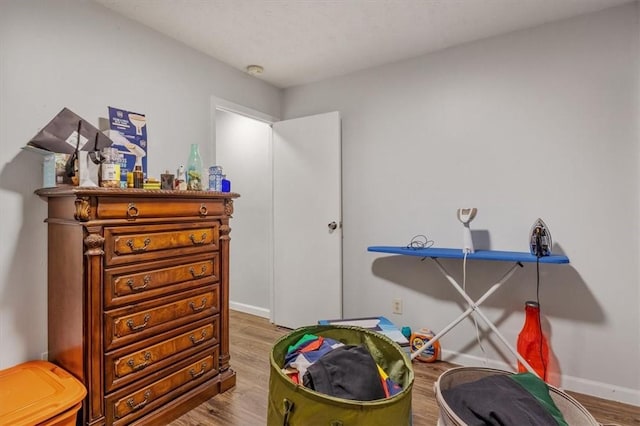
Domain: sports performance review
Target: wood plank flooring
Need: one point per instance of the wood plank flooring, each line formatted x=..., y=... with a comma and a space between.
x=251, y=340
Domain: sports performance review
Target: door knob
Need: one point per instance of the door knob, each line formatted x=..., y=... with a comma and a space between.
x=332, y=226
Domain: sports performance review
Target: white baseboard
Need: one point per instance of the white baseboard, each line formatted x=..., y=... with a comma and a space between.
x=574, y=384
x=602, y=390
x=250, y=309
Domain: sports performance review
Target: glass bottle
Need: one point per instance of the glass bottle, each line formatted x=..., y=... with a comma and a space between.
x=194, y=169
x=226, y=184
x=110, y=168
x=138, y=177
x=532, y=344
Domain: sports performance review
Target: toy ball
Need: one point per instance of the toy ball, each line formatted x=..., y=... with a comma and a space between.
x=419, y=339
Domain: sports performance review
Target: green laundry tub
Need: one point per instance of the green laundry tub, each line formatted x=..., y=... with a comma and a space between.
x=291, y=404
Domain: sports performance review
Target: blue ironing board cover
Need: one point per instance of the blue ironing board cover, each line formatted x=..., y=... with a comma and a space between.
x=449, y=253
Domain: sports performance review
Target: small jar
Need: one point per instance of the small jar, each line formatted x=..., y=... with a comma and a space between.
x=215, y=178
x=166, y=180
x=110, y=168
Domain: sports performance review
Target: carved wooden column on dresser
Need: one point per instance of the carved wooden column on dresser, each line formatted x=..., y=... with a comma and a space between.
x=139, y=298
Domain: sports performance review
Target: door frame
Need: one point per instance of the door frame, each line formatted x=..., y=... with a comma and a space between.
x=228, y=106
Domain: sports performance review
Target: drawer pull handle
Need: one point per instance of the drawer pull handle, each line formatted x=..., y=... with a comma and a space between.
x=195, y=374
x=132, y=210
x=202, y=274
x=199, y=308
x=146, y=281
x=203, y=210
x=203, y=239
x=146, y=319
x=141, y=366
x=131, y=245
x=135, y=407
x=198, y=341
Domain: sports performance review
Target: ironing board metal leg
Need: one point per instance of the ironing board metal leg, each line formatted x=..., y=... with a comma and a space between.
x=444, y=331
x=506, y=343
x=474, y=306
x=488, y=293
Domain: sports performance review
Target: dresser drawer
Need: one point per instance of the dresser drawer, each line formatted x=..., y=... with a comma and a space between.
x=125, y=244
x=125, y=366
x=125, y=406
x=134, y=283
x=132, y=208
x=130, y=324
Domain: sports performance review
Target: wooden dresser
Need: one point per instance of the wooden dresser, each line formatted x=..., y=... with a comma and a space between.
x=138, y=298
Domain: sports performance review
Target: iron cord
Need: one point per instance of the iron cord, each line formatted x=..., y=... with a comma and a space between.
x=544, y=364
x=420, y=241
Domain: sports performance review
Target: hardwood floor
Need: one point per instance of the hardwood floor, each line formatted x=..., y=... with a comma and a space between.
x=251, y=340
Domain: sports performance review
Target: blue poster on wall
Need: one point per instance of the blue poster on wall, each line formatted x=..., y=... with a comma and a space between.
x=129, y=136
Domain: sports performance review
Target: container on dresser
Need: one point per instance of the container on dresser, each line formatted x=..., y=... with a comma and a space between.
x=138, y=298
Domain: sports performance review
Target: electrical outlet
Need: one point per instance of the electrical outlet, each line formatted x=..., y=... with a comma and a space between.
x=397, y=306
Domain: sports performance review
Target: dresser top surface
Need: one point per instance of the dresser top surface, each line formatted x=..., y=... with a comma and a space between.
x=68, y=190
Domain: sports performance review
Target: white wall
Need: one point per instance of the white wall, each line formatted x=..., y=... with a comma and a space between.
x=243, y=149
x=80, y=55
x=536, y=123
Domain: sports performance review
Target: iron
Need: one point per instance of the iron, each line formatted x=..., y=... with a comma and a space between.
x=540, y=239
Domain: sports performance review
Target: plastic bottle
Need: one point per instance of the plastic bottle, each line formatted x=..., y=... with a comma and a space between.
x=420, y=338
x=194, y=169
x=532, y=344
x=179, y=182
x=406, y=332
x=123, y=170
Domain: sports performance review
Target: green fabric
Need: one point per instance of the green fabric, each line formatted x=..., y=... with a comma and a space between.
x=538, y=388
x=313, y=408
x=304, y=339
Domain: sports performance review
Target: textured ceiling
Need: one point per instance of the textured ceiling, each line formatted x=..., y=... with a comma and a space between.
x=301, y=41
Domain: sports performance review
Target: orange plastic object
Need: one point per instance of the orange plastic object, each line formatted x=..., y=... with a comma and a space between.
x=39, y=393
x=420, y=338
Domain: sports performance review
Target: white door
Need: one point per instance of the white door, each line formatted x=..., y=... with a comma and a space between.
x=307, y=207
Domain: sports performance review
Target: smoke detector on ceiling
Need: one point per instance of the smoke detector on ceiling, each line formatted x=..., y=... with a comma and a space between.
x=254, y=69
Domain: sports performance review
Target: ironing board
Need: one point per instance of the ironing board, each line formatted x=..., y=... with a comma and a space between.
x=434, y=253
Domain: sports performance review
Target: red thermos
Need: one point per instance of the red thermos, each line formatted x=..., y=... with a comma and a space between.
x=532, y=344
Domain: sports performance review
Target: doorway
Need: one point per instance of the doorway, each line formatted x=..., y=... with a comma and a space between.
x=286, y=239
x=243, y=150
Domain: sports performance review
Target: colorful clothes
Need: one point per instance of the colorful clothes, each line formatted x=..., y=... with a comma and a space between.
x=343, y=374
x=305, y=352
